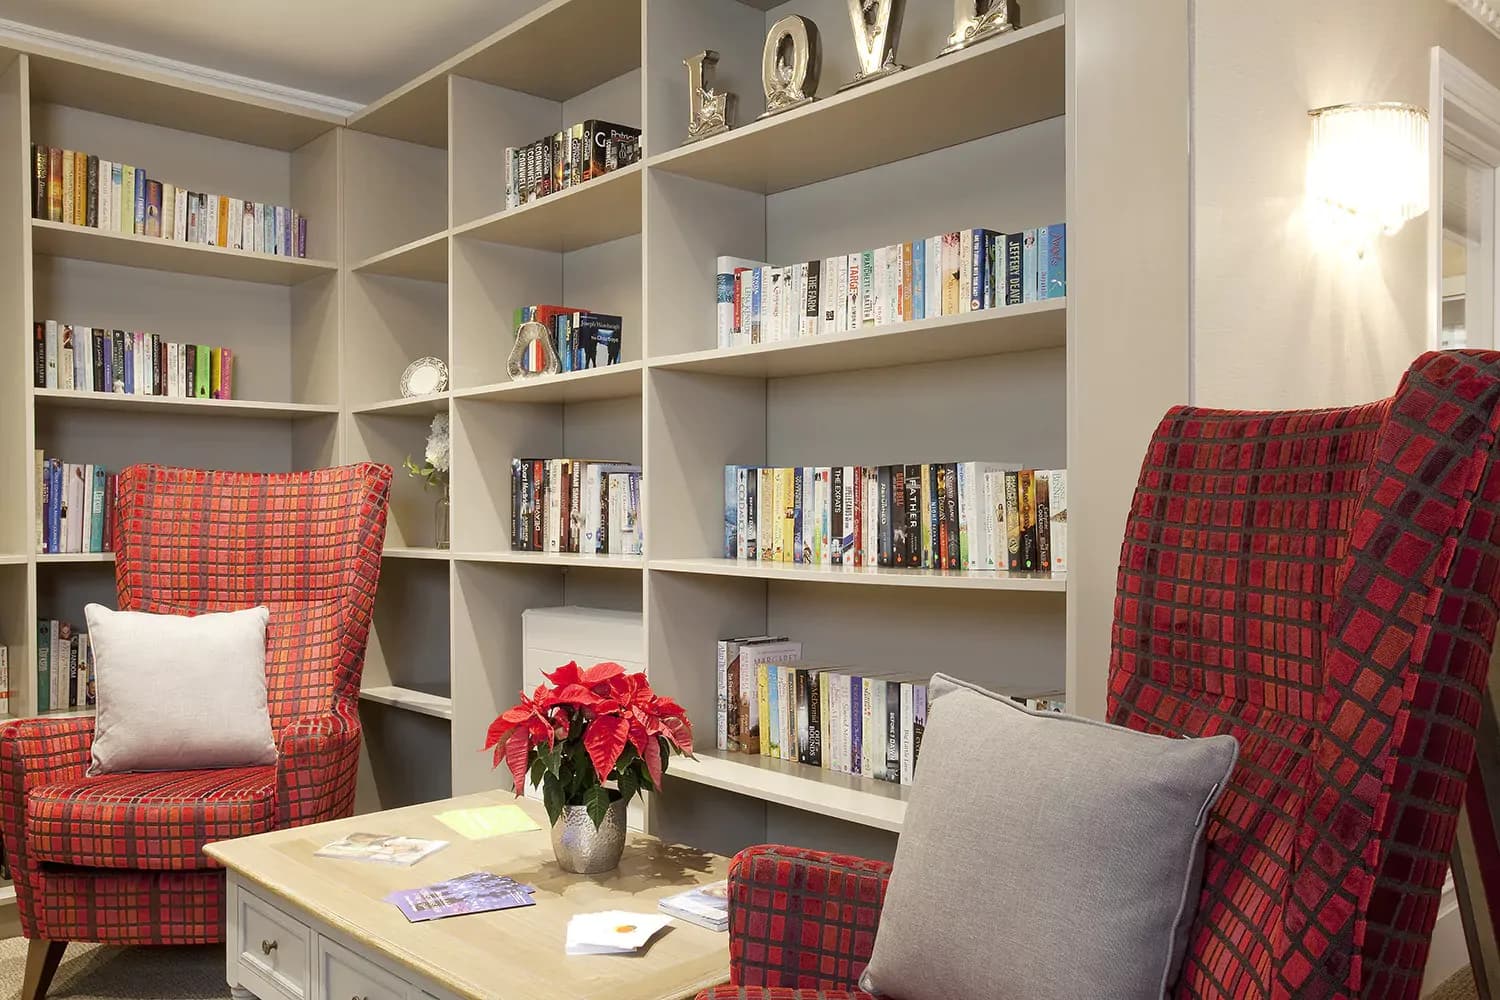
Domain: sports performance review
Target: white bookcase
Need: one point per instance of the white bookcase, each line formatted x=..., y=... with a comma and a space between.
x=412, y=253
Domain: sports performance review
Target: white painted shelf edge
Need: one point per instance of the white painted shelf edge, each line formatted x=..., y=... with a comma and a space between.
x=830, y=793
x=411, y=700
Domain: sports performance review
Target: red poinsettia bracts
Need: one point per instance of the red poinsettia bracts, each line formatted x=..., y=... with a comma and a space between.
x=606, y=710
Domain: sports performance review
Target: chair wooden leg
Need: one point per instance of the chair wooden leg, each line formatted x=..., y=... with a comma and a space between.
x=42, y=958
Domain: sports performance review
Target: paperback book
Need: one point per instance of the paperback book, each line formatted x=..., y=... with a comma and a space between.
x=75, y=506
x=706, y=906
x=78, y=358
x=565, y=159
x=575, y=505
x=581, y=339
x=64, y=666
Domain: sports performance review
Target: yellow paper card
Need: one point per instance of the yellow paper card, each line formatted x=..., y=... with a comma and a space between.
x=487, y=821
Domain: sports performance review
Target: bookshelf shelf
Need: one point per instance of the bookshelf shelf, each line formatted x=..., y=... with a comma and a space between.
x=621, y=381
x=87, y=712
x=1028, y=327
x=1044, y=583
x=575, y=560
x=243, y=408
x=602, y=39
x=406, y=406
x=598, y=211
x=1021, y=73
x=399, y=552
x=57, y=239
x=424, y=259
x=11, y=559
x=410, y=699
x=44, y=558
x=847, y=797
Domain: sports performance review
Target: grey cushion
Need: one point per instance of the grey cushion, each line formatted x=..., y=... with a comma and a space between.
x=178, y=692
x=1044, y=855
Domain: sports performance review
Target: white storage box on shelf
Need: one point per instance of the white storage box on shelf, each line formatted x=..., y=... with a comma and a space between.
x=551, y=637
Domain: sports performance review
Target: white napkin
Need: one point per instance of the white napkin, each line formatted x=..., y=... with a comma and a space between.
x=612, y=932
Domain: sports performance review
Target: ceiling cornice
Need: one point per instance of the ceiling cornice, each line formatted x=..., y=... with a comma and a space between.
x=1482, y=11
x=29, y=38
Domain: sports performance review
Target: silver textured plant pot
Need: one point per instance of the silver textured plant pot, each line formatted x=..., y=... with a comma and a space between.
x=584, y=850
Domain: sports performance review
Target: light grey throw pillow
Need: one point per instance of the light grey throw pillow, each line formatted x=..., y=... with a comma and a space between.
x=177, y=692
x=1044, y=856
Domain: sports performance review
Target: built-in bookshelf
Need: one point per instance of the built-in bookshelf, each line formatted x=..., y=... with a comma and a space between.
x=413, y=253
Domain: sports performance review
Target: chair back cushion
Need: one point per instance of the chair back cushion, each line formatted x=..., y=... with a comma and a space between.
x=306, y=545
x=1321, y=585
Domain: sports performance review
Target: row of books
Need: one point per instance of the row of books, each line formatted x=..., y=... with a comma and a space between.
x=943, y=275
x=572, y=505
x=83, y=190
x=64, y=666
x=577, y=154
x=4, y=680
x=75, y=506
x=94, y=359
x=845, y=719
x=947, y=516
x=581, y=339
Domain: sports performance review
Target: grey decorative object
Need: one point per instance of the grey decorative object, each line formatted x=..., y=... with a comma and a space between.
x=423, y=377
x=709, y=112
x=790, y=64
x=584, y=850
x=877, y=31
x=976, y=20
x=529, y=333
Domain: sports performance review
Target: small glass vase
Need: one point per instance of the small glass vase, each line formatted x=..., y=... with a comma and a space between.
x=440, y=519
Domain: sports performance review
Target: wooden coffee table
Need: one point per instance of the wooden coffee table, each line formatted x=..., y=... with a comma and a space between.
x=307, y=928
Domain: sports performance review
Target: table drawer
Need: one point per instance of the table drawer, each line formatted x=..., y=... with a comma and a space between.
x=275, y=945
x=347, y=976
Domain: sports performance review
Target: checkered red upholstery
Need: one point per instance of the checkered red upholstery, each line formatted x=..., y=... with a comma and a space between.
x=118, y=858
x=152, y=819
x=1323, y=585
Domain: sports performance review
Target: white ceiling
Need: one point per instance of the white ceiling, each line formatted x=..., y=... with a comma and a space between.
x=356, y=50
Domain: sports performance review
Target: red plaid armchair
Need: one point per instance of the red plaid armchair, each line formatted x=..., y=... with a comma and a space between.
x=118, y=858
x=1323, y=585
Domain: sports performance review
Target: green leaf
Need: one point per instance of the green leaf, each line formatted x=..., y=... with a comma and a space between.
x=597, y=802
x=629, y=784
x=538, y=767
x=552, y=798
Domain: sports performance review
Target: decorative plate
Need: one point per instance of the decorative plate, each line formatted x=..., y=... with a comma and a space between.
x=423, y=377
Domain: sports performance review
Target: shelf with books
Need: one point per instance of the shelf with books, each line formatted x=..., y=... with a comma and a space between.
x=1005, y=329
x=1021, y=73
x=413, y=700
x=425, y=259
x=560, y=50
x=57, y=239
x=86, y=712
x=597, y=211
x=566, y=560
x=63, y=399
x=621, y=381
x=406, y=406
x=1048, y=583
x=845, y=797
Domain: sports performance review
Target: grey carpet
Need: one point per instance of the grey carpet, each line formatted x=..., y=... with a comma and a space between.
x=97, y=972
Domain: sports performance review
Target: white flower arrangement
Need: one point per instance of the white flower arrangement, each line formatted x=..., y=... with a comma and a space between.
x=434, y=468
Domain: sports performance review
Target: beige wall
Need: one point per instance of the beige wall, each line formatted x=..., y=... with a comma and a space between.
x=1279, y=320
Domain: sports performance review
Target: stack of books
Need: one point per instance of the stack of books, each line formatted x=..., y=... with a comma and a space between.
x=582, y=339
x=568, y=158
x=95, y=359
x=64, y=666
x=943, y=516
x=83, y=190
x=572, y=505
x=843, y=719
x=75, y=506
x=943, y=275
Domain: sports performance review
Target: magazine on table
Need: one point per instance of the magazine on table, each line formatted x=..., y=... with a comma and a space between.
x=476, y=892
x=381, y=849
x=706, y=906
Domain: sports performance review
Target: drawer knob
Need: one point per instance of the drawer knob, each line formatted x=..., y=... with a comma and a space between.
x=266, y=947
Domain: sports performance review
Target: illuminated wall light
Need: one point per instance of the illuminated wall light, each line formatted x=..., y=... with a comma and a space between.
x=1367, y=170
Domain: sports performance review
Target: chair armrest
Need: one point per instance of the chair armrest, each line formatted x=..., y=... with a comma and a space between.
x=33, y=753
x=316, y=766
x=802, y=919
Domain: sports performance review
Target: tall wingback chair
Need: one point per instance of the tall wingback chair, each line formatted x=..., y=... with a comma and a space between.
x=118, y=858
x=1323, y=585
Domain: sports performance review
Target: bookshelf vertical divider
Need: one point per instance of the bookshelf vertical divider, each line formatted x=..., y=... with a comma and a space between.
x=413, y=254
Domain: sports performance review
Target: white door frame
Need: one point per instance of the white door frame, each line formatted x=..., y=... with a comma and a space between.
x=1463, y=116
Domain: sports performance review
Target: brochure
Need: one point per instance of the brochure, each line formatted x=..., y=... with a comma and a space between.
x=381, y=848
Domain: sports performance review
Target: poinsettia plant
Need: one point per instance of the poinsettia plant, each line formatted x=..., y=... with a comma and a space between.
x=586, y=730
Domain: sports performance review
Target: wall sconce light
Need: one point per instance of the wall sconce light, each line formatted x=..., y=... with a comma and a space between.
x=1367, y=168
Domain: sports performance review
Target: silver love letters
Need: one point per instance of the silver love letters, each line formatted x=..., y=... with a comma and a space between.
x=790, y=64
x=877, y=29
x=976, y=20
x=709, y=112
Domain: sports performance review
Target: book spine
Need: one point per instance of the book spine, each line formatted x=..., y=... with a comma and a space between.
x=1026, y=498
x=1012, y=521
x=761, y=721
x=949, y=513
x=796, y=502
x=43, y=665
x=764, y=514
x=918, y=725
x=963, y=481
x=201, y=375
x=55, y=507
x=140, y=201
x=1057, y=502
x=1042, y=484
x=1056, y=254
x=39, y=471
x=724, y=301
x=855, y=502
x=96, y=522
x=1028, y=265
x=978, y=268
x=908, y=757
x=857, y=717
x=812, y=281
x=892, y=731
x=721, y=699
x=40, y=157
x=91, y=193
